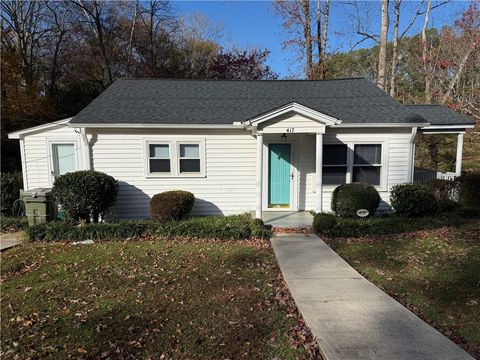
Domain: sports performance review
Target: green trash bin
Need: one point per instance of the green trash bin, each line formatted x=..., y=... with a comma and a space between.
x=39, y=205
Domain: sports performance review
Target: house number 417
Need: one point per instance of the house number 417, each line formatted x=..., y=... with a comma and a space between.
x=290, y=130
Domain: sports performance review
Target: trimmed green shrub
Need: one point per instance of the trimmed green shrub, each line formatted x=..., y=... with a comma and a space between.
x=442, y=189
x=11, y=183
x=236, y=227
x=171, y=205
x=323, y=223
x=469, y=189
x=347, y=199
x=391, y=225
x=259, y=231
x=447, y=206
x=85, y=195
x=13, y=224
x=412, y=200
x=468, y=212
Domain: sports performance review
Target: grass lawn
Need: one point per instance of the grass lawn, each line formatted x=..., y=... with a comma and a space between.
x=436, y=273
x=144, y=299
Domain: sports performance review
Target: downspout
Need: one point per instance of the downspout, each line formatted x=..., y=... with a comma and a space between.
x=86, y=149
x=24, y=163
x=411, y=154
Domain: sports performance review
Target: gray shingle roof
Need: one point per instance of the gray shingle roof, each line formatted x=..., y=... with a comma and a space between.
x=163, y=101
x=440, y=115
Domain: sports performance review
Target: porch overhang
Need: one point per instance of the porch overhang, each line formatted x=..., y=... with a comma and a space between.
x=321, y=119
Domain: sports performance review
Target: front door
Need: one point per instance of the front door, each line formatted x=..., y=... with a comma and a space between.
x=279, y=177
x=63, y=159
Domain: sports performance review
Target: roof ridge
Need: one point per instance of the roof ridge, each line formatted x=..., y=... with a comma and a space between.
x=423, y=104
x=242, y=80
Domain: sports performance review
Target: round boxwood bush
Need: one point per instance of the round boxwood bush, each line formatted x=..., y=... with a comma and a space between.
x=412, y=200
x=469, y=189
x=347, y=199
x=171, y=205
x=323, y=223
x=85, y=195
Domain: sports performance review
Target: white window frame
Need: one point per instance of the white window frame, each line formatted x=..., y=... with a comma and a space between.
x=174, y=150
x=148, y=158
x=200, y=158
x=54, y=141
x=366, y=165
x=384, y=143
x=346, y=165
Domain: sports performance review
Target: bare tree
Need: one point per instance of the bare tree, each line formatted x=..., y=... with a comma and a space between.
x=60, y=21
x=382, y=54
x=467, y=43
x=322, y=35
x=93, y=12
x=396, y=40
x=298, y=19
x=426, y=71
x=155, y=19
x=23, y=31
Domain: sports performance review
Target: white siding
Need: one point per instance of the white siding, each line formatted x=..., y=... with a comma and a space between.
x=38, y=163
x=296, y=123
x=227, y=188
x=395, y=163
x=229, y=184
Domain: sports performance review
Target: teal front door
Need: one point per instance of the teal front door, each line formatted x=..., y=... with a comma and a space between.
x=279, y=175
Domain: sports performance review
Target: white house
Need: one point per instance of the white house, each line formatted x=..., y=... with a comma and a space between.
x=237, y=145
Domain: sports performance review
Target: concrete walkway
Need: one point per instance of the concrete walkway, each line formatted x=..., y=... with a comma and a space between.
x=351, y=317
x=9, y=240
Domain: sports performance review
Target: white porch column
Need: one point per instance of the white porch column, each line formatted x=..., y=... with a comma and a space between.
x=85, y=150
x=318, y=171
x=458, y=163
x=258, y=210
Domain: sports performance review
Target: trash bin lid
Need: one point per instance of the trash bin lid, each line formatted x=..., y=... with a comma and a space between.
x=37, y=192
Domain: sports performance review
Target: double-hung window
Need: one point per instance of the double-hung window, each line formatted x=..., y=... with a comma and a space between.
x=159, y=160
x=367, y=163
x=334, y=164
x=351, y=162
x=189, y=159
x=174, y=158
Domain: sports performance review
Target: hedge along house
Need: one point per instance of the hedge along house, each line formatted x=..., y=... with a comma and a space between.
x=237, y=145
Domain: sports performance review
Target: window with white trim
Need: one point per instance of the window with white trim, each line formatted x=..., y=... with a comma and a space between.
x=363, y=165
x=189, y=158
x=367, y=163
x=164, y=158
x=159, y=158
x=334, y=164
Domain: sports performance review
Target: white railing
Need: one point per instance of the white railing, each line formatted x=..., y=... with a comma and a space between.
x=423, y=176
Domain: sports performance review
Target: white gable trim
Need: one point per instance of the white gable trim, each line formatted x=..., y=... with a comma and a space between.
x=297, y=108
x=21, y=133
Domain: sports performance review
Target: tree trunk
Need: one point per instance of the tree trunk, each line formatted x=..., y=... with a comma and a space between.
x=382, y=54
x=324, y=37
x=101, y=42
x=426, y=69
x=393, y=76
x=308, y=36
x=319, y=30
